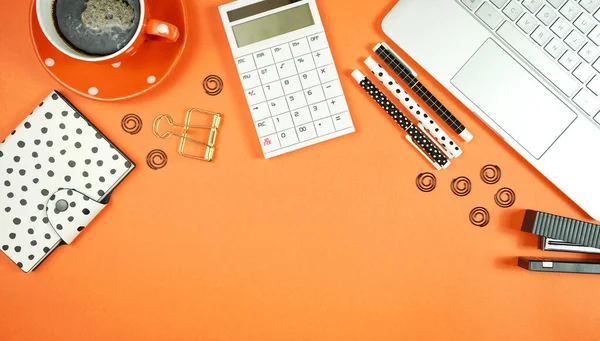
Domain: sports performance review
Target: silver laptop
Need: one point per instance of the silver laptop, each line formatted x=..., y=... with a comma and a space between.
x=529, y=69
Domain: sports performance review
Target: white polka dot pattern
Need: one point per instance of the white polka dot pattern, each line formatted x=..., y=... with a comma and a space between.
x=54, y=147
x=420, y=139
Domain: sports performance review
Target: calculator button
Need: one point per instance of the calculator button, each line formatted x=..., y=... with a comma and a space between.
x=337, y=105
x=300, y=47
x=263, y=58
x=319, y=110
x=333, y=89
x=250, y=80
x=269, y=143
x=323, y=57
x=278, y=106
x=268, y=74
x=273, y=90
x=304, y=63
x=318, y=41
x=327, y=73
x=309, y=79
x=324, y=126
x=281, y=53
x=342, y=121
x=283, y=122
x=314, y=94
x=291, y=85
x=286, y=68
x=255, y=95
x=260, y=111
x=296, y=100
x=288, y=137
x=301, y=116
x=265, y=127
x=306, y=132
x=245, y=64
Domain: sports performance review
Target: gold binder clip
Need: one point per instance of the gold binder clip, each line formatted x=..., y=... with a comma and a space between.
x=209, y=144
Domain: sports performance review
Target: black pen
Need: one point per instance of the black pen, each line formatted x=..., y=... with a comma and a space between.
x=415, y=136
x=409, y=76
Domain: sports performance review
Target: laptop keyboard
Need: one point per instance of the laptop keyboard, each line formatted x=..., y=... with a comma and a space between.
x=559, y=38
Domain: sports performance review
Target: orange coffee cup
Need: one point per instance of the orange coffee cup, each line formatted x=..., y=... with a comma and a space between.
x=147, y=28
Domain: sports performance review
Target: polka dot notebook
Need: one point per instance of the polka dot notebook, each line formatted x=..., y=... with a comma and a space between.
x=57, y=172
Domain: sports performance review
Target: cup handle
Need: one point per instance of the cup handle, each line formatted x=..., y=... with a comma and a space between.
x=162, y=29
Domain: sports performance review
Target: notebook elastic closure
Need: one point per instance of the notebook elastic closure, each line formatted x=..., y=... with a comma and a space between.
x=70, y=211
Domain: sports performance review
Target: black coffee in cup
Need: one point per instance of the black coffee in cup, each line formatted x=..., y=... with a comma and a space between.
x=96, y=27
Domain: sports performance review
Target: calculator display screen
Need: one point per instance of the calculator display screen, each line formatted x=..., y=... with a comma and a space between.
x=273, y=25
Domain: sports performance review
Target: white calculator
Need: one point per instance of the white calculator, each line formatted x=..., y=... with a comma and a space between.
x=287, y=72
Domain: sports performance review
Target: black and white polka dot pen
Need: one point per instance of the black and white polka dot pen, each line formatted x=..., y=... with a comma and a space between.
x=415, y=136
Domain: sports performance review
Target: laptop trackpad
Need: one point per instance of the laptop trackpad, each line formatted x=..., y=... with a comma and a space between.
x=512, y=98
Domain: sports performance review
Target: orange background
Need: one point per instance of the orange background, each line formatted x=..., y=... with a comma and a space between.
x=332, y=242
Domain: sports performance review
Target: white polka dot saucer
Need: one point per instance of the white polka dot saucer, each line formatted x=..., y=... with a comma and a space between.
x=128, y=78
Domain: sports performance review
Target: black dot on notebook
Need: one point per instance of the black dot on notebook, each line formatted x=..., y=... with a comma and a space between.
x=85, y=174
x=115, y=157
x=31, y=257
x=40, y=207
x=65, y=113
x=70, y=192
x=380, y=74
x=59, y=227
x=49, y=143
x=65, y=138
x=77, y=145
x=76, y=115
x=44, y=130
x=100, y=192
x=113, y=171
x=72, y=204
x=12, y=235
x=85, y=211
x=79, y=131
x=62, y=126
x=33, y=243
x=98, y=136
x=80, y=228
x=88, y=161
x=21, y=144
x=23, y=202
x=100, y=163
x=7, y=209
x=33, y=219
x=45, y=192
x=86, y=198
x=24, y=188
x=127, y=164
x=45, y=221
x=27, y=125
x=101, y=179
x=50, y=173
x=5, y=247
x=94, y=150
x=63, y=152
x=72, y=163
x=54, y=97
x=17, y=248
x=451, y=143
x=20, y=265
x=431, y=121
x=9, y=170
x=49, y=115
x=38, y=166
x=68, y=178
x=34, y=154
x=425, y=115
x=47, y=236
x=46, y=249
x=6, y=183
x=70, y=219
x=88, y=185
x=30, y=231
x=437, y=129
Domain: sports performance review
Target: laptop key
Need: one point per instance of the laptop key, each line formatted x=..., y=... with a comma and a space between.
x=489, y=15
x=471, y=4
x=587, y=102
x=538, y=59
x=594, y=85
x=513, y=10
x=590, y=5
x=527, y=23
